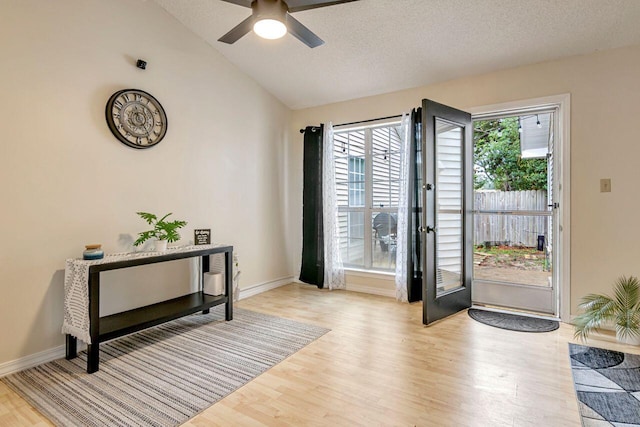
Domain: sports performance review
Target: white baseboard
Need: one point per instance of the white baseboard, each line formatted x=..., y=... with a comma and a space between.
x=36, y=359
x=31, y=360
x=264, y=287
x=354, y=287
x=385, y=292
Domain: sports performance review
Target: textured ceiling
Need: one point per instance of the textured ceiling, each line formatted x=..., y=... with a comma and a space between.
x=379, y=46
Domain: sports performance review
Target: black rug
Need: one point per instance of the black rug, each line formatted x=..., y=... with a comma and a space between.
x=607, y=385
x=513, y=322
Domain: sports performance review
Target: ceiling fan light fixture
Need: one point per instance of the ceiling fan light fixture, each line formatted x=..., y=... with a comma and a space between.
x=270, y=29
x=271, y=19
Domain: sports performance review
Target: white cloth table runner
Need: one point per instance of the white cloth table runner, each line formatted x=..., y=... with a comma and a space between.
x=76, y=286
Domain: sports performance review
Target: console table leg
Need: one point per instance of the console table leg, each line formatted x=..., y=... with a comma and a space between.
x=71, y=347
x=204, y=268
x=228, y=285
x=93, y=350
x=93, y=358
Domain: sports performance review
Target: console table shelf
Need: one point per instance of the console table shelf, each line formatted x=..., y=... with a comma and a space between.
x=127, y=322
x=105, y=328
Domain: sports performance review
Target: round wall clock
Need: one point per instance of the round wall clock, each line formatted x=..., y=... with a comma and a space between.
x=136, y=118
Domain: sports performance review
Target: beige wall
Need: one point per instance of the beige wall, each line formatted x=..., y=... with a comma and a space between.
x=66, y=181
x=232, y=158
x=604, y=90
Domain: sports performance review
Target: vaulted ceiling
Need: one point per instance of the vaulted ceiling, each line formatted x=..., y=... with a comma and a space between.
x=379, y=46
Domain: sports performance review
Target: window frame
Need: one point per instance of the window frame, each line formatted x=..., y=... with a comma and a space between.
x=368, y=209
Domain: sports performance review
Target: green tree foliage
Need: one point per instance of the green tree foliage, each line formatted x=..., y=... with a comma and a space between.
x=497, y=159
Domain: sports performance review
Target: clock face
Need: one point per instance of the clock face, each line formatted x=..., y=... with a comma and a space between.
x=136, y=118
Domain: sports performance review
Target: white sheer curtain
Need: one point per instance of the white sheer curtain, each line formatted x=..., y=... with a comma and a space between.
x=403, y=210
x=333, y=269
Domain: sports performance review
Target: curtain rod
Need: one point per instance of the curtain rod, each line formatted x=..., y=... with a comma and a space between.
x=369, y=120
x=313, y=128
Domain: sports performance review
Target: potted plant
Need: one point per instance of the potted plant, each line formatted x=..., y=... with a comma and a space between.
x=623, y=310
x=163, y=231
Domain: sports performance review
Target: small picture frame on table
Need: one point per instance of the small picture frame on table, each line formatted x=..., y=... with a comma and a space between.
x=202, y=236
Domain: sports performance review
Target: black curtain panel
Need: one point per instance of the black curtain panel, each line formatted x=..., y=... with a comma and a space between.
x=414, y=259
x=312, y=270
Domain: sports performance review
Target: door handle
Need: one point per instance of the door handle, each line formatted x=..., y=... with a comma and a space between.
x=426, y=229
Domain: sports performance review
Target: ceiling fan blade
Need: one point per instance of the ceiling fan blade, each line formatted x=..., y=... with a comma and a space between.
x=299, y=5
x=238, y=31
x=245, y=3
x=302, y=33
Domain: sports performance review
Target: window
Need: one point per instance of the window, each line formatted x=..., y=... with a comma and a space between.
x=356, y=181
x=367, y=185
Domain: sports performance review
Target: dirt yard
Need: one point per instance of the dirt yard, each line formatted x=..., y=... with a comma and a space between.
x=512, y=257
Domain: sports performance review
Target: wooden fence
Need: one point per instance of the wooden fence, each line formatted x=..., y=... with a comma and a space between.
x=508, y=229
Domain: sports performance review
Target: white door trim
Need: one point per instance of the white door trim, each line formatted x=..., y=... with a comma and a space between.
x=563, y=172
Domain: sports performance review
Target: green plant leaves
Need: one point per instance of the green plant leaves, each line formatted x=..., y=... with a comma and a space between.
x=598, y=309
x=162, y=230
x=627, y=293
x=149, y=217
x=143, y=237
x=623, y=309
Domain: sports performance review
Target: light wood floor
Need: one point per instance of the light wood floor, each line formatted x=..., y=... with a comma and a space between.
x=379, y=366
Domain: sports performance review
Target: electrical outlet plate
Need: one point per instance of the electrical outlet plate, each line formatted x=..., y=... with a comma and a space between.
x=605, y=185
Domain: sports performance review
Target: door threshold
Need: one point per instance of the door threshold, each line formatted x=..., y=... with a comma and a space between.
x=517, y=311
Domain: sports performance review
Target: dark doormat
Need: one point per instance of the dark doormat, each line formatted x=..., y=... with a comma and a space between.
x=513, y=322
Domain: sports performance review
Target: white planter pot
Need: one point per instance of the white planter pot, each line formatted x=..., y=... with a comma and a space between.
x=632, y=340
x=161, y=245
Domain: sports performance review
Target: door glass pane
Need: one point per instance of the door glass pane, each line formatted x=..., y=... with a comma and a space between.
x=513, y=163
x=513, y=248
x=417, y=209
x=448, y=199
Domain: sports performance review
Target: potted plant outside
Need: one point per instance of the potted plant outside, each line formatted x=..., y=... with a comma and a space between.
x=623, y=310
x=163, y=231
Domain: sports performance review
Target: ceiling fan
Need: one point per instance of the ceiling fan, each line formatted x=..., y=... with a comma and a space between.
x=271, y=19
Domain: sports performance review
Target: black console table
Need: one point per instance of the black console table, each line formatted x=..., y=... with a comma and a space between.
x=116, y=325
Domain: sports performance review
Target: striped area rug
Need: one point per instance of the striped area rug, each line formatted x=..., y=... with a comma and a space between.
x=164, y=375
